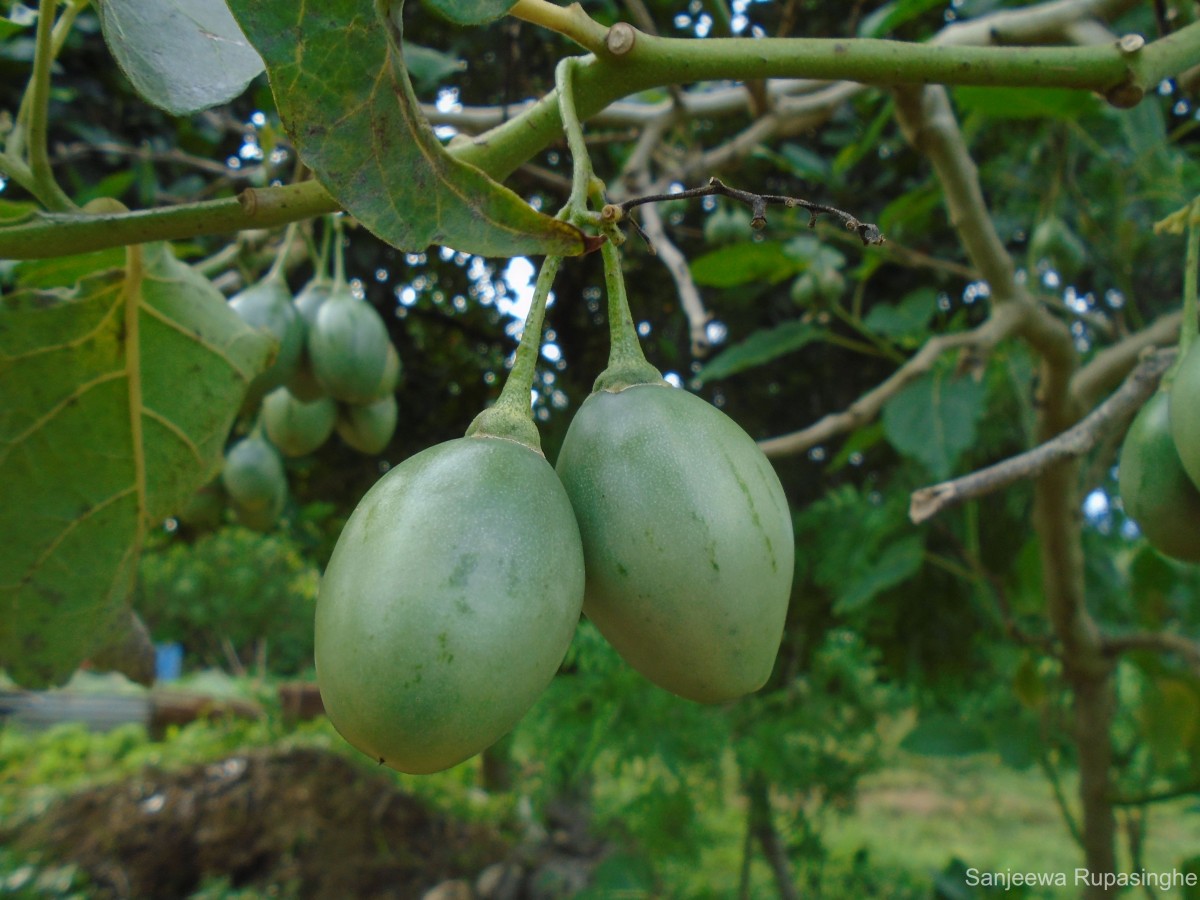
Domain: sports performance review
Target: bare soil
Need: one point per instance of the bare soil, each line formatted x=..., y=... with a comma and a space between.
x=300, y=823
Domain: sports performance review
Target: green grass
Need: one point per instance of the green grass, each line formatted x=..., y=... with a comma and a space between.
x=920, y=814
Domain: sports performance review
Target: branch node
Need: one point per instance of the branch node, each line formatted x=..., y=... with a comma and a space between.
x=1131, y=43
x=620, y=39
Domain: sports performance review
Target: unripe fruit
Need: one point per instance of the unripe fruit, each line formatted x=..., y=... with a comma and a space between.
x=303, y=384
x=368, y=429
x=295, y=427
x=449, y=603
x=1185, y=412
x=257, y=485
x=348, y=346
x=687, y=539
x=1155, y=489
x=268, y=305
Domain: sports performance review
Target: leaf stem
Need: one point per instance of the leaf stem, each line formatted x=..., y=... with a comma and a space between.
x=510, y=416
x=46, y=188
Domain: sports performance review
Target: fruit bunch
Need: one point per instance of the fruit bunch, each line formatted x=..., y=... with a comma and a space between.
x=336, y=369
x=455, y=588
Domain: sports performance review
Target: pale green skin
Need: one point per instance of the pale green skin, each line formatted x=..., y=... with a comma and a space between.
x=268, y=305
x=687, y=539
x=1155, y=488
x=253, y=475
x=369, y=429
x=348, y=348
x=1184, y=415
x=296, y=427
x=449, y=603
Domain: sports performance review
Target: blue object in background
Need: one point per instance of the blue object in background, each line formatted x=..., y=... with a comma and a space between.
x=168, y=661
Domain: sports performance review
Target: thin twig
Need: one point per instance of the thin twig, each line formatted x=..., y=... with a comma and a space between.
x=868, y=232
x=1159, y=642
x=979, y=342
x=1074, y=442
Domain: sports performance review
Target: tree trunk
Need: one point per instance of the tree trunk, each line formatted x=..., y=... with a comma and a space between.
x=768, y=838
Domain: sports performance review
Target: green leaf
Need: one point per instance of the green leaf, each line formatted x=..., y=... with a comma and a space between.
x=117, y=399
x=344, y=95
x=741, y=263
x=1026, y=102
x=944, y=735
x=181, y=55
x=906, y=321
x=934, y=419
x=471, y=12
x=430, y=67
x=898, y=562
x=36, y=274
x=761, y=347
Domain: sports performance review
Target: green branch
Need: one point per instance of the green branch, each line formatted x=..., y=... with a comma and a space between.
x=47, y=234
x=1120, y=70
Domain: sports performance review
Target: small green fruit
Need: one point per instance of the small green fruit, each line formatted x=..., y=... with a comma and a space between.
x=268, y=305
x=295, y=427
x=368, y=429
x=254, y=477
x=348, y=346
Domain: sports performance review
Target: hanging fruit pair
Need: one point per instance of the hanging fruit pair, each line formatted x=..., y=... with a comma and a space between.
x=454, y=590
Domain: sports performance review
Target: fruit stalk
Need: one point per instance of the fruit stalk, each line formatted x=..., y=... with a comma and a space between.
x=1190, y=327
x=510, y=416
x=627, y=364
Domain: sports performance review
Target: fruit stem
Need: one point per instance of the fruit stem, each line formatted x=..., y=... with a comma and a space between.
x=321, y=257
x=339, y=254
x=510, y=416
x=627, y=364
x=1190, y=326
x=279, y=266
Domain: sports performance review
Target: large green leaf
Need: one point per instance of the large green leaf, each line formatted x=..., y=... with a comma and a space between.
x=933, y=420
x=761, y=347
x=338, y=75
x=182, y=55
x=115, y=401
